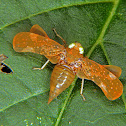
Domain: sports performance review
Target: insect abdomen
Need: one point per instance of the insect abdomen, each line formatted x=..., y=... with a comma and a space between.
x=61, y=78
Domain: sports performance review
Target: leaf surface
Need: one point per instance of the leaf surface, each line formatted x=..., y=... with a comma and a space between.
x=99, y=25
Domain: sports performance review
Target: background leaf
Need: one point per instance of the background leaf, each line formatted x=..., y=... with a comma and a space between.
x=99, y=25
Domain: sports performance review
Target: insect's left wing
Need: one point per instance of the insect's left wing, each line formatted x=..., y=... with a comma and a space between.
x=38, y=30
x=103, y=76
x=36, y=43
x=30, y=42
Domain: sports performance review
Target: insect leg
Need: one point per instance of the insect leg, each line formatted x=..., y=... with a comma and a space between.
x=81, y=91
x=60, y=37
x=42, y=66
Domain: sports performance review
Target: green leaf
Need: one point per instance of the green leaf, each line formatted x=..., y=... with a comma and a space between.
x=99, y=25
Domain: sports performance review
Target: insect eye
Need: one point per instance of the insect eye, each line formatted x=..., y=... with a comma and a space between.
x=71, y=45
x=81, y=50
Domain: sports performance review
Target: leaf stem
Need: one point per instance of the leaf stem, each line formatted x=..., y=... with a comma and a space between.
x=65, y=103
x=105, y=53
x=105, y=26
x=124, y=100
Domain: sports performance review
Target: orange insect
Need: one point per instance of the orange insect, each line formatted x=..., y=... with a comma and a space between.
x=69, y=62
x=4, y=67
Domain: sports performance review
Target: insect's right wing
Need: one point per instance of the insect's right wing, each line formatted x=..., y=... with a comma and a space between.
x=114, y=69
x=103, y=76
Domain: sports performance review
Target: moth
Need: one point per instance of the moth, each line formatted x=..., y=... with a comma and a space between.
x=4, y=67
x=69, y=62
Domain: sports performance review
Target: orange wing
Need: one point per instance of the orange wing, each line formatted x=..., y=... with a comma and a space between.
x=38, y=30
x=105, y=77
x=37, y=42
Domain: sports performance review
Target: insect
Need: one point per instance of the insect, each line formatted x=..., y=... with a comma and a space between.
x=69, y=62
x=4, y=67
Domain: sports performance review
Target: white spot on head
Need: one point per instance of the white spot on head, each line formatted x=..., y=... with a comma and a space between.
x=103, y=86
x=57, y=86
x=81, y=49
x=112, y=75
x=71, y=45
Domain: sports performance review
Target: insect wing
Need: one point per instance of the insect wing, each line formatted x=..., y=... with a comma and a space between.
x=30, y=42
x=114, y=69
x=106, y=80
x=38, y=30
